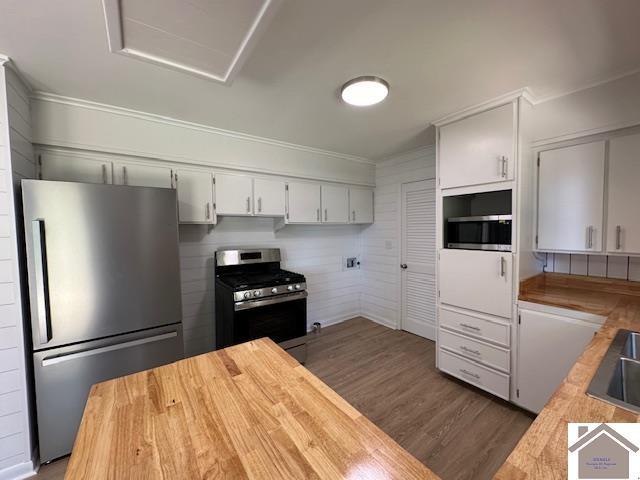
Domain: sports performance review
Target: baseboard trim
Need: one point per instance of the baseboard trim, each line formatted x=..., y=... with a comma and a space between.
x=325, y=322
x=379, y=320
x=19, y=471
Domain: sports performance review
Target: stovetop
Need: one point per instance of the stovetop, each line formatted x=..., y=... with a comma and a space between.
x=242, y=281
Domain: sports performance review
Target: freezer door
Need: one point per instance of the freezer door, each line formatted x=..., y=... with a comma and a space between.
x=64, y=376
x=102, y=260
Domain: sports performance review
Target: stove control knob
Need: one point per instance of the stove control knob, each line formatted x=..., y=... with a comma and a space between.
x=290, y=288
x=256, y=293
x=297, y=286
x=247, y=294
x=274, y=290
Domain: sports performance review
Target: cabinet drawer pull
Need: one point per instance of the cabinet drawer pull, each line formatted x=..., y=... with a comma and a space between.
x=590, y=236
x=318, y=214
x=504, y=164
x=618, y=237
x=503, y=267
x=468, y=350
x=248, y=204
x=353, y=215
x=470, y=327
x=325, y=215
x=125, y=176
x=104, y=173
x=207, y=211
x=259, y=204
x=467, y=372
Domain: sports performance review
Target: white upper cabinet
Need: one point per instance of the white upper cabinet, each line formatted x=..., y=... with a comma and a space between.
x=303, y=202
x=478, y=149
x=195, y=196
x=142, y=175
x=335, y=204
x=268, y=197
x=360, y=205
x=477, y=280
x=571, y=198
x=623, y=220
x=234, y=194
x=74, y=169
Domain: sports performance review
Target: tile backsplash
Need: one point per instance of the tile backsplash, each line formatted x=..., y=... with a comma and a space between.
x=626, y=268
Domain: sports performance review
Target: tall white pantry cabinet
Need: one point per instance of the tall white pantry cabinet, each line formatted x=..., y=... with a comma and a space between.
x=484, y=149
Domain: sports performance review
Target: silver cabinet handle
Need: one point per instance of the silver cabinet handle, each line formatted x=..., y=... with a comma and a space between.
x=318, y=214
x=503, y=267
x=470, y=327
x=248, y=204
x=618, y=237
x=104, y=173
x=171, y=178
x=403, y=266
x=353, y=215
x=125, y=177
x=590, y=236
x=110, y=348
x=41, y=280
x=325, y=215
x=468, y=350
x=259, y=204
x=207, y=211
x=504, y=166
x=467, y=372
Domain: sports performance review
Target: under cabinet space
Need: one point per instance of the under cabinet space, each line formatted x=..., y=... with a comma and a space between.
x=195, y=197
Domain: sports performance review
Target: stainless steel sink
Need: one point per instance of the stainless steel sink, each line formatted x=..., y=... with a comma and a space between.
x=617, y=380
x=632, y=346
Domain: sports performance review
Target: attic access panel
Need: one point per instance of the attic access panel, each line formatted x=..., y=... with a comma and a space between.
x=208, y=38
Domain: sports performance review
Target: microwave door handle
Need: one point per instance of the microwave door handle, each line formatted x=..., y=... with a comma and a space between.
x=41, y=281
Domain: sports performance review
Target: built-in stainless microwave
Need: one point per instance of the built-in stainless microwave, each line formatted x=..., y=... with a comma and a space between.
x=487, y=232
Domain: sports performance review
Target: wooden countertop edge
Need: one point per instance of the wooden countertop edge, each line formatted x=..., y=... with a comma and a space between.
x=542, y=452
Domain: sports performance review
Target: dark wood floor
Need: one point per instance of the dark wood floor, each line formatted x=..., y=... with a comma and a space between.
x=458, y=431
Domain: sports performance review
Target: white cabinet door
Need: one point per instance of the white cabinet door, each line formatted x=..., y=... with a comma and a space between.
x=142, y=175
x=268, y=197
x=74, y=169
x=361, y=205
x=571, y=198
x=548, y=346
x=335, y=204
x=303, y=203
x=477, y=149
x=195, y=196
x=476, y=280
x=623, y=221
x=234, y=194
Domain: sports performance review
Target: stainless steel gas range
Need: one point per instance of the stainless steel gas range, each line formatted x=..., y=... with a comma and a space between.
x=256, y=298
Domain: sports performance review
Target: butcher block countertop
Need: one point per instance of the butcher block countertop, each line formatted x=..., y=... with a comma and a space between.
x=248, y=411
x=542, y=451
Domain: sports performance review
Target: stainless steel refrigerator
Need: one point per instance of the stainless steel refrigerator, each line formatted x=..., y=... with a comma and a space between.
x=104, y=285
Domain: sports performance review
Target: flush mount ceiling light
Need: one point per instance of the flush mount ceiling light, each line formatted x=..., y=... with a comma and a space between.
x=364, y=91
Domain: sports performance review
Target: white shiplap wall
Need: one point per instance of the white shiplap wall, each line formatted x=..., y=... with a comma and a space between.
x=610, y=266
x=381, y=241
x=16, y=162
x=315, y=251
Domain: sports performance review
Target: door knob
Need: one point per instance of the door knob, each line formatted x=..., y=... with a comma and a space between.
x=403, y=266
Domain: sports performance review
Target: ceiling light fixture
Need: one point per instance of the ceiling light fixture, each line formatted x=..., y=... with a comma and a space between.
x=364, y=91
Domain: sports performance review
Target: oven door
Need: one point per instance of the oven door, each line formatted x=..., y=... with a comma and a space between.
x=280, y=318
x=480, y=233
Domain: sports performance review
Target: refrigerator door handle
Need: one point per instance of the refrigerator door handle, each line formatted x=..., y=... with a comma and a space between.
x=41, y=281
x=109, y=348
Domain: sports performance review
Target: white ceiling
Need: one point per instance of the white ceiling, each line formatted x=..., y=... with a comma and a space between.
x=439, y=56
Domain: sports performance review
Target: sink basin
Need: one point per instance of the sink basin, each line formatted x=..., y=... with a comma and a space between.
x=625, y=383
x=632, y=346
x=617, y=380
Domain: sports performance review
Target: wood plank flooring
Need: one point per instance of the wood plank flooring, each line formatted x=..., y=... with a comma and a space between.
x=459, y=432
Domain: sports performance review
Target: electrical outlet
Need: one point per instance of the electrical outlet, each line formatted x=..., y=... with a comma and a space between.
x=350, y=263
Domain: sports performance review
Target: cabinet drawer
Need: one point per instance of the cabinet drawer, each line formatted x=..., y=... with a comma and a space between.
x=474, y=373
x=489, y=355
x=476, y=326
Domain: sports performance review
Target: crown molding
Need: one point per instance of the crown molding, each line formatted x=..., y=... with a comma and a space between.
x=5, y=61
x=407, y=155
x=152, y=117
x=524, y=93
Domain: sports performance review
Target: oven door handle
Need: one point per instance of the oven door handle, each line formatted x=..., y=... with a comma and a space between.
x=269, y=301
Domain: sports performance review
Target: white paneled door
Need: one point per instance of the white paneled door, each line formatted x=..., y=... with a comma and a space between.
x=418, y=258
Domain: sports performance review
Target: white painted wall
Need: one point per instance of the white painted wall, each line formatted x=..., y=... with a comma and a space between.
x=381, y=241
x=67, y=122
x=315, y=251
x=16, y=162
x=603, y=107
